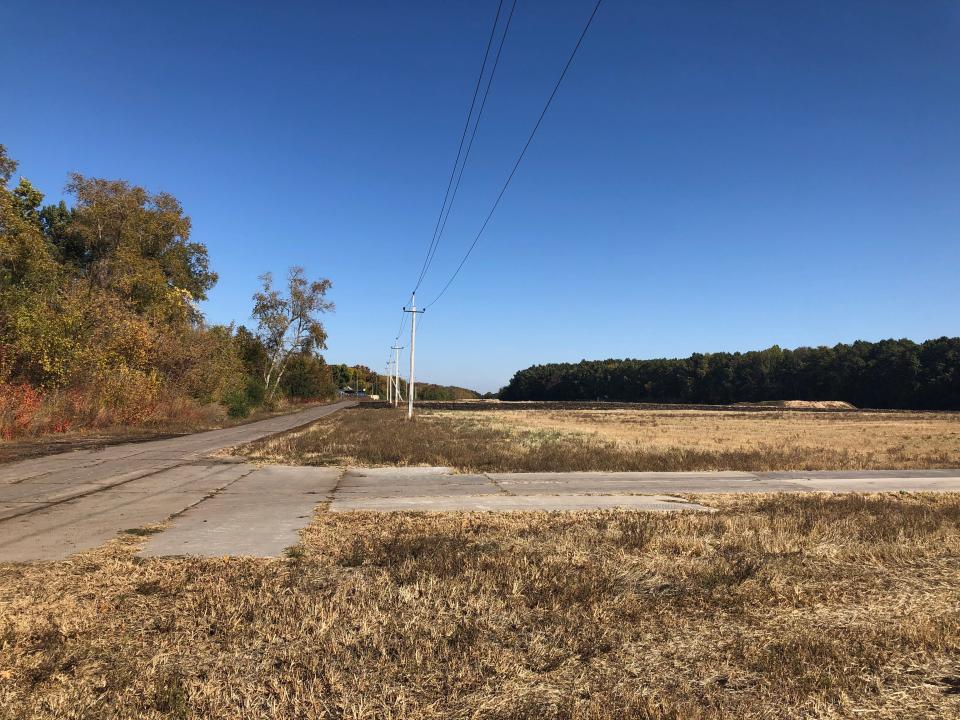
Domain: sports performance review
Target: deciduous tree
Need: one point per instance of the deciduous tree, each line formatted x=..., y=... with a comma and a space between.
x=289, y=323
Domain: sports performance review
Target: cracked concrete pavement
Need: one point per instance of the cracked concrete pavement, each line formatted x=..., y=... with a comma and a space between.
x=53, y=507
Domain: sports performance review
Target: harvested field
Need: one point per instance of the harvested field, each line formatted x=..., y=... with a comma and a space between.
x=774, y=606
x=503, y=439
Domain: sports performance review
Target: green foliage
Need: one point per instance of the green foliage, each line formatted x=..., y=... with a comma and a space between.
x=252, y=353
x=237, y=403
x=885, y=374
x=342, y=375
x=255, y=391
x=307, y=377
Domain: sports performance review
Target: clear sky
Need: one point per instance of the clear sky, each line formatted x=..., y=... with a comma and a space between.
x=712, y=176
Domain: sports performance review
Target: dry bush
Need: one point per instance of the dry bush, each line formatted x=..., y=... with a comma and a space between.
x=558, y=441
x=127, y=399
x=774, y=606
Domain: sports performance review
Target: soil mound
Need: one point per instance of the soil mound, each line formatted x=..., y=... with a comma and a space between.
x=805, y=404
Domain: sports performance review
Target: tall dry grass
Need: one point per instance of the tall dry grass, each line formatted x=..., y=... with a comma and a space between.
x=535, y=441
x=771, y=607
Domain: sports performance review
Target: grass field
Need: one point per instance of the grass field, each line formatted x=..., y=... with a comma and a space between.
x=773, y=606
x=551, y=438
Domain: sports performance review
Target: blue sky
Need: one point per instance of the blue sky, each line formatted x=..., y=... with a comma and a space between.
x=712, y=176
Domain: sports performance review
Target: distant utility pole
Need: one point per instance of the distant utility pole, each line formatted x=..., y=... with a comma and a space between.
x=413, y=349
x=396, y=378
x=386, y=376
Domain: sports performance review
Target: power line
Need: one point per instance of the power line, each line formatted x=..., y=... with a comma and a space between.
x=473, y=135
x=403, y=321
x=463, y=136
x=520, y=157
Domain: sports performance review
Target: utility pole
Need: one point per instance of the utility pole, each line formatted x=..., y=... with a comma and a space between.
x=396, y=379
x=413, y=349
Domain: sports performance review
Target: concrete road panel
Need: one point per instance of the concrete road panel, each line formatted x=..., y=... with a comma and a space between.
x=259, y=515
x=58, y=531
x=506, y=503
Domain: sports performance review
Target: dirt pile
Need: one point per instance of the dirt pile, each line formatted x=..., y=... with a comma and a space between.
x=804, y=404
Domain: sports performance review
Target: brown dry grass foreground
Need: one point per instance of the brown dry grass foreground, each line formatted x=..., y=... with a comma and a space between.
x=622, y=439
x=774, y=606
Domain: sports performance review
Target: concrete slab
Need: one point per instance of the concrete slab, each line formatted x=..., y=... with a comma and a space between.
x=397, y=472
x=12, y=509
x=600, y=476
x=82, y=524
x=107, y=462
x=886, y=484
x=57, y=531
x=43, y=492
x=647, y=487
x=420, y=491
x=859, y=474
x=413, y=481
x=506, y=503
x=259, y=515
x=935, y=474
x=52, y=507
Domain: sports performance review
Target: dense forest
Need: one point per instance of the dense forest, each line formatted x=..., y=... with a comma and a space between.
x=885, y=374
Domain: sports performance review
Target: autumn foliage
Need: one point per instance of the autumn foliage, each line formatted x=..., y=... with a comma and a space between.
x=99, y=323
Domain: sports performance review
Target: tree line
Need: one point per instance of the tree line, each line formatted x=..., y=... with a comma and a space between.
x=100, y=322
x=360, y=377
x=885, y=374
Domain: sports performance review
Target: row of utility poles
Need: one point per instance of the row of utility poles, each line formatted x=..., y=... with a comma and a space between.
x=394, y=396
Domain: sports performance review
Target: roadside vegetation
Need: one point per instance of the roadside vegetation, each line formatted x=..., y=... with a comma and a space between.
x=100, y=327
x=886, y=374
x=774, y=606
x=557, y=440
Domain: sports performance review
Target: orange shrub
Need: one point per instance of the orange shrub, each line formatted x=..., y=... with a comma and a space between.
x=19, y=406
x=122, y=402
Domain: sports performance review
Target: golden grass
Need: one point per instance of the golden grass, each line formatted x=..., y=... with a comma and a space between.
x=771, y=607
x=523, y=440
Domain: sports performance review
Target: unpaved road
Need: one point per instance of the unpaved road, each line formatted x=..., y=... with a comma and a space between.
x=53, y=507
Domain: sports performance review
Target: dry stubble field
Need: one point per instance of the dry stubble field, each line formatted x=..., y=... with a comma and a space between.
x=558, y=439
x=787, y=606
x=772, y=607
